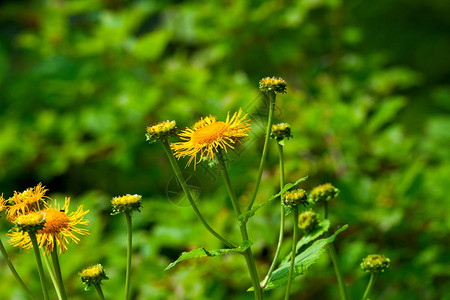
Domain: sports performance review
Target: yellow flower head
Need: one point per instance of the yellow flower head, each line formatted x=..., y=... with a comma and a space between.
x=3, y=203
x=30, y=222
x=322, y=193
x=161, y=131
x=375, y=263
x=126, y=204
x=295, y=198
x=308, y=221
x=60, y=228
x=93, y=275
x=208, y=135
x=281, y=131
x=272, y=84
x=32, y=199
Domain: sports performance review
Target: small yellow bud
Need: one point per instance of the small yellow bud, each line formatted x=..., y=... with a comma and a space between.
x=272, y=84
x=308, y=221
x=295, y=198
x=30, y=222
x=161, y=131
x=127, y=203
x=322, y=193
x=375, y=263
x=281, y=131
x=93, y=275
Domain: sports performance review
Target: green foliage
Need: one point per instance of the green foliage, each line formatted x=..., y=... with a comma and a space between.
x=202, y=252
x=303, y=261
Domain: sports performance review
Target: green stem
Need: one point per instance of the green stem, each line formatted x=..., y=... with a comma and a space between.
x=265, y=149
x=13, y=270
x=335, y=260
x=242, y=227
x=129, y=250
x=373, y=276
x=187, y=192
x=39, y=264
x=280, y=236
x=294, y=248
x=98, y=288
x=52, y=275
x=58, y=274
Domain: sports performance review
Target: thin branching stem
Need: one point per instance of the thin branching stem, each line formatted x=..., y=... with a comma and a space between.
x=37, y=254
x=281, y=234
x=265, y=148
x=243, y=228
x=294, y=247
x=57, y=269
x=13, y=270
x=187, y=192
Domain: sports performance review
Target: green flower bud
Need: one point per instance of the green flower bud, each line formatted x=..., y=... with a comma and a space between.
x=281, y=131
x=322, y=193
x=126, y=204
x=93, y=275
x=295, y=198
x=161, y=131
x=308, y=221
x=276, y=85
x=375, y=263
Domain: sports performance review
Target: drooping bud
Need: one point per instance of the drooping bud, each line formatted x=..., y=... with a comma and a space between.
x=161, y=131
x=126, y=204
x=295, y=198
x=281, y=131
x=93, y=275
x=375, y=263
x=308, y=221
x=272, y=84
x=322, y=193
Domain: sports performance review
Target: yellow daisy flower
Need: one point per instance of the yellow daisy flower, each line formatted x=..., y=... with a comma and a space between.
x=209, y=135
x=30, y=200
x=60, y=226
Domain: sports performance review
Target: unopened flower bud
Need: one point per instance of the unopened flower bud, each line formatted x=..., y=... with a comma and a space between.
x=295, y=198
x=308, y=221
x=322, y=193
x=272, y=84
x=31, y=222
x=93, y=275
x=375, y=263
x=126, y=204
x=161, y=131
x=281, y=131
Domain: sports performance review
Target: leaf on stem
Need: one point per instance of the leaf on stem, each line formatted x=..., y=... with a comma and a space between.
x=302, y=262
x=202, y=252
x=243, y=218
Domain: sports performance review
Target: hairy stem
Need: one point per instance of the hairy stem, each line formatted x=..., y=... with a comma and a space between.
x=243, y=229
x=98, y=288
x=280, y=236
x=13, y=270
x=294, y=247
x=265, y=148
x=187, y=192
x=52, y=274
x=39, y=264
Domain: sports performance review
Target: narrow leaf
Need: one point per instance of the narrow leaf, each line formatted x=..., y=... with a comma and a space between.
x=243, y=218
x=323, y=227
x=302, y=261
x=202, y=252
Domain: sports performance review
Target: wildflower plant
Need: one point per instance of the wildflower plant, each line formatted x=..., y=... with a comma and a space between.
x=93, y=276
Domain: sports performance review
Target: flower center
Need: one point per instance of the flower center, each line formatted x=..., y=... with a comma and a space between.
x=209, y=133
x=56, y=220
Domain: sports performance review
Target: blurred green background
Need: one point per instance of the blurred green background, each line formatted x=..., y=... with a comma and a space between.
x=368, y=100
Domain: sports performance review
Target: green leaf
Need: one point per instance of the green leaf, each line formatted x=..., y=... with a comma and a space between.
x=202, y=252
x=311, y=236
x=243, y=218
x=302, y=261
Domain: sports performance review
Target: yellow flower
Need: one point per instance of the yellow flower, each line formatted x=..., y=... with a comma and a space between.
x=93, y=275
x=208, y=136
x=295, y=198
x=272, y=84
x=60, y=227
x=3, y=203
x=30, y=200
x=161, y=130
x=322, y=193
x=127, y=203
